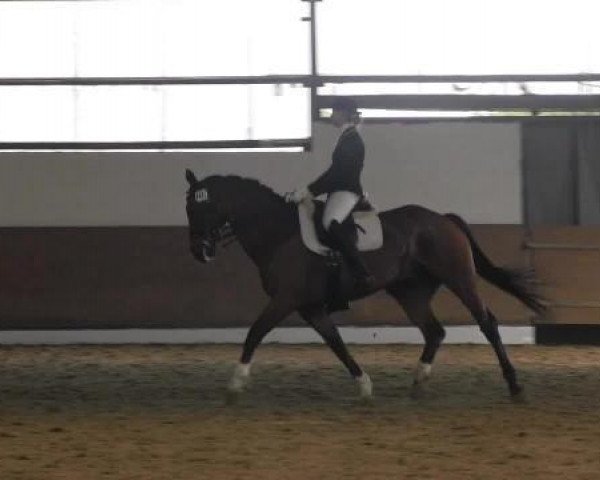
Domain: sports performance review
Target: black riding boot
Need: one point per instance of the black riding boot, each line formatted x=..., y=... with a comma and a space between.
x=348, y=249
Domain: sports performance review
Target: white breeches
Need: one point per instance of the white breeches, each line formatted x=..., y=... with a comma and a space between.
x=338, y=207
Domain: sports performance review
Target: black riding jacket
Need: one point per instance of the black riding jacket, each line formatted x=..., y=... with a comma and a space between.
x=346, y=166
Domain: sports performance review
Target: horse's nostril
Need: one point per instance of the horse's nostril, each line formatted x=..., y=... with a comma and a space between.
x=210, y=250
x=197, y=250
x=197, y=254
x=203, y=250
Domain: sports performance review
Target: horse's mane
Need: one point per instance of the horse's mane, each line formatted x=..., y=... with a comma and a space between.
x=256, y=203
x=236, y=184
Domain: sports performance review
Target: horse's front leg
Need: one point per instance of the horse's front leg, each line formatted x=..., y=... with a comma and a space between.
x=273, y=314
x=317, y=317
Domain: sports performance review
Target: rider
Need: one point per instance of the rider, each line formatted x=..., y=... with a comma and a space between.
x=341, y=183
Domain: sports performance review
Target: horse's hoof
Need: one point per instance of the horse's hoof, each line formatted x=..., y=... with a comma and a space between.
x=365, y=386
x=517, y=395
x=366, y=400
x=422, y=373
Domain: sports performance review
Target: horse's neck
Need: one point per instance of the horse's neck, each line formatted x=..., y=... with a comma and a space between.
x=261, y=228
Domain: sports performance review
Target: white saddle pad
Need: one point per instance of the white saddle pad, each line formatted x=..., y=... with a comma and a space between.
x=371, y=239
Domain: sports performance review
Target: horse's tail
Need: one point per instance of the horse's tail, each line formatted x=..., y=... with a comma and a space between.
x=520, y=283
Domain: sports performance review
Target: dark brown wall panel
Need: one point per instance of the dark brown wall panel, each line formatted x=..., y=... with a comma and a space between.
x=146, y=278
x=119, y=277
x=567, y=259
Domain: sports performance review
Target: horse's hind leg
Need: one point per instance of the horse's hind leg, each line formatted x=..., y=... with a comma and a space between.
x=489, y=326
x=449, y=257
x=317, y=318
x=416, y=301
x=275, y=312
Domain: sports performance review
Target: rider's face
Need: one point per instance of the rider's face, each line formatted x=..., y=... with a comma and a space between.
x=339, y=117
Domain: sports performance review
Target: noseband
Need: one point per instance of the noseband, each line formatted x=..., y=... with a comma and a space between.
x=223, y=236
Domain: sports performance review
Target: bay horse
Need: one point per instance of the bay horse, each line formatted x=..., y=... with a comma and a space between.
x=422, y=250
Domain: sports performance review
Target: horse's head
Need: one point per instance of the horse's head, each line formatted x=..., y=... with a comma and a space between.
x=208, y=225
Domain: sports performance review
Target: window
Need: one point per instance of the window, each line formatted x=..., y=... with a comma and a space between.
x=153, y=38
x=435, y=37
x=463, y=37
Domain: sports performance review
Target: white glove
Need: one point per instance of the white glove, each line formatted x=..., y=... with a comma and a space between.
x=297, y=195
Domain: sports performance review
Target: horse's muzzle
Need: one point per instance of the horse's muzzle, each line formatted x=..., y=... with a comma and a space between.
x=204, y=251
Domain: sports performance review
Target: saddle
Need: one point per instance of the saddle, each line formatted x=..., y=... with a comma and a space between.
x=363, y=224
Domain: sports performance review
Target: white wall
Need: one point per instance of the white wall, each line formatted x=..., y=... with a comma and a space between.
x=471, y=169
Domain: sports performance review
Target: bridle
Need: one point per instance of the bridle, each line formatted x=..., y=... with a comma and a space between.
x=221, y=236
x=224, y=235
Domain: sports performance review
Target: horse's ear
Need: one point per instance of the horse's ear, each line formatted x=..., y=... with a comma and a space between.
x=190, y=177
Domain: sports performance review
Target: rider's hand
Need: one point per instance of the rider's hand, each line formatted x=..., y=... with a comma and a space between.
x=297, y=195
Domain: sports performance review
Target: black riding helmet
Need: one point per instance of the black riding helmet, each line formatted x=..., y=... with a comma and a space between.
x=345, y=104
